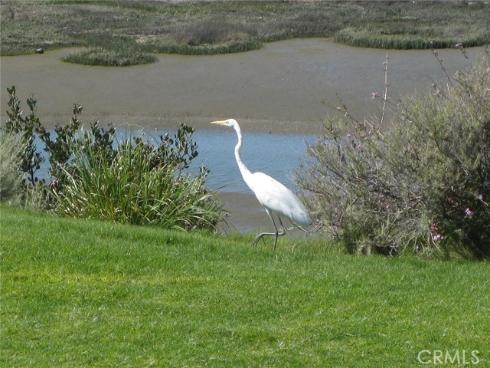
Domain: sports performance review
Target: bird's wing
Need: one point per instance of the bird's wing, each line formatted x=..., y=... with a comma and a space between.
x=279, y=199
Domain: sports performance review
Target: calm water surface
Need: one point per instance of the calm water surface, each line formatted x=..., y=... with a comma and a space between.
x=287, y=86
x=278, y=155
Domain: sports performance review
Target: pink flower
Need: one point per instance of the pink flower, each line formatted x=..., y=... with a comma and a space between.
x=468, y=213
x=374, y=95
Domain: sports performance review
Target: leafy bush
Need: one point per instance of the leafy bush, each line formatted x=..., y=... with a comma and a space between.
x=420, y=182
x=27, y=126
x=11, y=156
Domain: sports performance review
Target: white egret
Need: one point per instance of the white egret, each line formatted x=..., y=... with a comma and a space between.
x=271, y=194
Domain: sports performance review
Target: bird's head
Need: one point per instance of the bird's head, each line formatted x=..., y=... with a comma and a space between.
x=227, y=122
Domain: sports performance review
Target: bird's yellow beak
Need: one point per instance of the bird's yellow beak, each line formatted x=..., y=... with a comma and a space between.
x=219, y=122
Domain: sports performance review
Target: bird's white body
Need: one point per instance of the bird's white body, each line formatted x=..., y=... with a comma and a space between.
x=272, y=195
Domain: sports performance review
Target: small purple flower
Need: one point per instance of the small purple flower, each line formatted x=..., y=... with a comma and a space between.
x=469, y=213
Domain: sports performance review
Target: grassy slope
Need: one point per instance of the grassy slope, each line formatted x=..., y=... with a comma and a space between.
x=83, y=293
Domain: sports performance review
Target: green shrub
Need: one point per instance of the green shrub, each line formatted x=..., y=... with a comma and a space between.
x=12, y=148
x=420, y=182
x=26, y=125
x=138, y=184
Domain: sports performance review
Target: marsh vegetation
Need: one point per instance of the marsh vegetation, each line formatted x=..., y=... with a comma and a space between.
x=124, y=32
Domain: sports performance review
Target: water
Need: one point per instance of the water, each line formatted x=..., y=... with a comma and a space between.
x=277, y=155
x=287, y=86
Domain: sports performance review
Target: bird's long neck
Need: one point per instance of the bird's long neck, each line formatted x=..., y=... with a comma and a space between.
x=246, y=174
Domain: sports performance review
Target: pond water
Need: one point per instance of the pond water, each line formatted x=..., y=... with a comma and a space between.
x=278, y=155
x=287, y=86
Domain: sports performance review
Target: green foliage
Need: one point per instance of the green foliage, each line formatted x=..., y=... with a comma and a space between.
x=421, y=182
x=59, y=147
x=133, y=182
x=78, y=293
x=138, y=183
x=12, y=148
x=27, y=126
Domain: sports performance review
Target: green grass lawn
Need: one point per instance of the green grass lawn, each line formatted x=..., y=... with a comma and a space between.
x=78, y=293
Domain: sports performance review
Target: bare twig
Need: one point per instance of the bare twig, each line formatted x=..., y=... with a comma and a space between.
x=443, y=68
x=385, y=95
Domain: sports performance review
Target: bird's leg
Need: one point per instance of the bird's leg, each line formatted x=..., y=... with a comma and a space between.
x=283, y=227
x=276, y=233
x=261, y=235
x=283, y=231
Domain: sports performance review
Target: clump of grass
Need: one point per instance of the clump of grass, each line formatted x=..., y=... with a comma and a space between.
x=386, y=38
x=207, y=37
x=110, y=57
x=110, y=50
x=135, y=185
x=223, y=48
x=212, y=31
